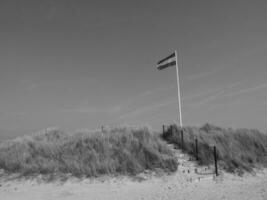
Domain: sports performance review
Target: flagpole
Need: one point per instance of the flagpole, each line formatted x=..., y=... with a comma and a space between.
x=178, y=88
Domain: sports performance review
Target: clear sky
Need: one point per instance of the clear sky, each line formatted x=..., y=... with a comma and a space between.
x=83, y=64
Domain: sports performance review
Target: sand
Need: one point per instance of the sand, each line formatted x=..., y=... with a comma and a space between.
x=189, y=182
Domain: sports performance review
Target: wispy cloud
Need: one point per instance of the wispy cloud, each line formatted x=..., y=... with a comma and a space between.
x=223, y=94
x=208, y=99
x=37, y=85
x=85, y=110
x=94, y=110
x=225, y=104
x=12, y=114
x=196, y=96
x=32, y=86
x=203, y=74
x=129, y=102
x=143, y=110
x=247, y=90
x=139, y=96
x=210, y=95
x=198, y=99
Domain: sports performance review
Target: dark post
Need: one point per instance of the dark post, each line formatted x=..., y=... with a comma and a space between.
x=196, y=148
x=215, y=159
x=171, y=129
x=102, y=128
x=182, y=140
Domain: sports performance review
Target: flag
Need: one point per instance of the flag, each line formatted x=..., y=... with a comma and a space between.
x=167, y=62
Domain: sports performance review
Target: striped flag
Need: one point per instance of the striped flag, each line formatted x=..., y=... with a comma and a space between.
x=167, y=62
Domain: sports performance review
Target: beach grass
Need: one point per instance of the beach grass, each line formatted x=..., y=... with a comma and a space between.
x=238, y=150
x=119, y=150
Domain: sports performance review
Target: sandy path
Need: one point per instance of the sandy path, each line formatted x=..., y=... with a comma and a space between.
x=183, y=184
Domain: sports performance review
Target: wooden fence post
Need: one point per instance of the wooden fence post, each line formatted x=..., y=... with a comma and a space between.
x=196, y=142
x=182, y=140
x=215, y=160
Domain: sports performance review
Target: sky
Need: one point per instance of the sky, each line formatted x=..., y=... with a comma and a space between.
x=84, y=64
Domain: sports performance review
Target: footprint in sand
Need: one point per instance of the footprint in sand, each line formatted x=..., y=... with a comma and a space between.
x=66, y=193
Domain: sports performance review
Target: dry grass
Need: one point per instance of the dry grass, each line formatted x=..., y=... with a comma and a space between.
x=238, y=150
x=121, y=150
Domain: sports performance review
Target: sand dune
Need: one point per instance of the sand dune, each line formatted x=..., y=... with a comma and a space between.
x=189, y=182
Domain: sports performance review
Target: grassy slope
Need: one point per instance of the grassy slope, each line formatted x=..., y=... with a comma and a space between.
x=238, y=150
x=117, y=151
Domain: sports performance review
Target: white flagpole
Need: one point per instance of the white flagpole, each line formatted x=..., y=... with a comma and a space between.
x=178, y=87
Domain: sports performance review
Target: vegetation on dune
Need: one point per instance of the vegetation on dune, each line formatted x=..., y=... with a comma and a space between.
x=121, y=150
x=238, y=150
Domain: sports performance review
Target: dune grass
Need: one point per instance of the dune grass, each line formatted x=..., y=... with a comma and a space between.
x=238, y=150
x=121, y=150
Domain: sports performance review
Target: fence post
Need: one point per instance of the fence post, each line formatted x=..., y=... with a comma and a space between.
x=196, y=148
x=182, y=140
x=102, y=129
x=215, y=160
